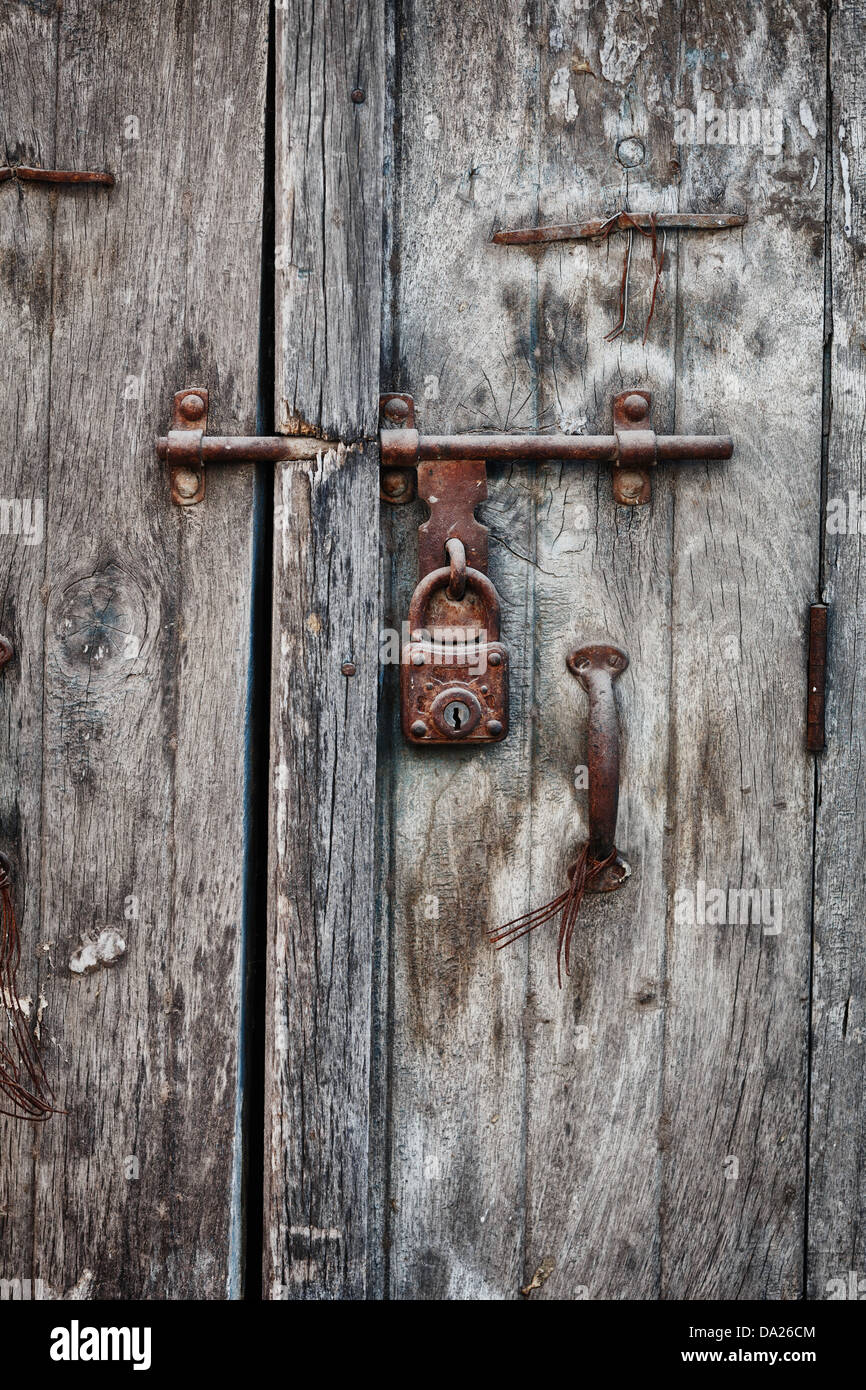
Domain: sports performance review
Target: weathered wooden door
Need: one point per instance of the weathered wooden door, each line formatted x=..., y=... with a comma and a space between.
x=306, y=1049
x=125, y=799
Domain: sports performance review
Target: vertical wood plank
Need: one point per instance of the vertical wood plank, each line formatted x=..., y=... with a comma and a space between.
x=459, y=835
x=323, y=736
x=26, y=131
x=329, y=106
x=836, y=1255
x=594, y=1047
x=617, y=1104
x=147, y=630
x=744, y=570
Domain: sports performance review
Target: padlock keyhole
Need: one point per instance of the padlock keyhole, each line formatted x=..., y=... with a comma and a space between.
x=456, y=715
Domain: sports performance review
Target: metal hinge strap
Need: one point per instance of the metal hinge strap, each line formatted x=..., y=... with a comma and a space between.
x=817, y=694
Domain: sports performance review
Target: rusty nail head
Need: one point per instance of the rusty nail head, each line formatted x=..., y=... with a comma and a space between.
x=631, y=486
x=358, y=95
x=186, y=483
x=495, y=659
x=348, y=668
x=395, y=484
x=192, y=406
x=635, y=407
x=395, y=409
x=6, y=651
x=419, y=728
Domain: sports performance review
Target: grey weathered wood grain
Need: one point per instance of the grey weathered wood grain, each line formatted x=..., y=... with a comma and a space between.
x=329, y=205
x=744, y=570
x=518, y=337
x=593, y=1099
x=323, y=769
x=323, y=739
x=672, y=1049
x=460, y=818
x=146, y=623
x=26, y=126
x=837, y=1198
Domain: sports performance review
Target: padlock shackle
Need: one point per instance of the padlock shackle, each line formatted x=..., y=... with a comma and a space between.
x=439, y=579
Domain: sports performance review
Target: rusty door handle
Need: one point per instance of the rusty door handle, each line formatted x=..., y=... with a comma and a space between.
x=597, y=667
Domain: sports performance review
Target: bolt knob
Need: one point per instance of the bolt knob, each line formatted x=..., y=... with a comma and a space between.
x=192, y=407
x=634, y=406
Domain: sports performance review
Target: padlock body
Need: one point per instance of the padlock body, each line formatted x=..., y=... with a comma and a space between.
x=457, y=692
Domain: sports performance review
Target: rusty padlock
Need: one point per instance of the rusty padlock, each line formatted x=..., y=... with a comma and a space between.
x=454, y=680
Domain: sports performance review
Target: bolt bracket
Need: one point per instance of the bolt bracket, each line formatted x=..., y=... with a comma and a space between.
x=397, y=412
x=183, y=446
x=636, y=446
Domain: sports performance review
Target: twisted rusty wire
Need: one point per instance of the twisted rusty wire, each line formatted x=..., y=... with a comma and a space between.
x=582, y=874
x=625, y=222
